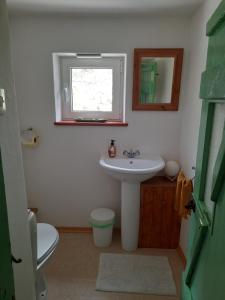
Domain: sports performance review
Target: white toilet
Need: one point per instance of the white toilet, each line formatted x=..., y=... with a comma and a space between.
x=44, y=239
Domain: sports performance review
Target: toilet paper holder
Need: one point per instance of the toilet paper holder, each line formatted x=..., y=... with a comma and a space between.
x=29, y=137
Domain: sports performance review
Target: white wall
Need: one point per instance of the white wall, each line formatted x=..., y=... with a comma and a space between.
x=191, y=104
x=13, y=171
x=63, y=177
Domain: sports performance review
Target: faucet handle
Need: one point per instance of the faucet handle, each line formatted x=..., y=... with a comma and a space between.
x=125, y=152
x=131, y=153
x=137, y=153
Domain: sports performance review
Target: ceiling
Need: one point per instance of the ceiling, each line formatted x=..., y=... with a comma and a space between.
x=104, y=6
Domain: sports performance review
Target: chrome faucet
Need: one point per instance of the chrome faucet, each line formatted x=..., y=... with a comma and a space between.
x=131, y=153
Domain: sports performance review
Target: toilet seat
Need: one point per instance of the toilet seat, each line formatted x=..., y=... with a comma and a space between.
x=47, y=239
x=44, y=239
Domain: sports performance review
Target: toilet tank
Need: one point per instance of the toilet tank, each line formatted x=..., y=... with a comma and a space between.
x=33, y=236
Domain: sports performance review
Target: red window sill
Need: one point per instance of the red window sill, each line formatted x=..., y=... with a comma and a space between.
x=74, y=123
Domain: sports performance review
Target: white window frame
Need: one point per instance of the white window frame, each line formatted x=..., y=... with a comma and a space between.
x=63, y=63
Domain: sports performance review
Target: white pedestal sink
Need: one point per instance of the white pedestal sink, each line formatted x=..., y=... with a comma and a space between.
x=131, y=171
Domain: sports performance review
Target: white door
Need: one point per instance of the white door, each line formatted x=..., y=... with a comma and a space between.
x=13, y=170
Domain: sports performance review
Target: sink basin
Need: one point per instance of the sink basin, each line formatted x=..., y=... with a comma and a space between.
x=132, y=169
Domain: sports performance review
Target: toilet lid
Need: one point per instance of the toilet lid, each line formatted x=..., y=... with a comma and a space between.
x=47, y=238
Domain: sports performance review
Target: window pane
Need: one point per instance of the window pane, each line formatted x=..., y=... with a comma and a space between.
x=92, y=89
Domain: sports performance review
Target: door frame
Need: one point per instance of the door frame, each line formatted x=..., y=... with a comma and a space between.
x=15, y=191
x=212, y=92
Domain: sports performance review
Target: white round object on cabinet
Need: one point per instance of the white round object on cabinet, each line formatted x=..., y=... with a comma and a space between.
x=172, y=168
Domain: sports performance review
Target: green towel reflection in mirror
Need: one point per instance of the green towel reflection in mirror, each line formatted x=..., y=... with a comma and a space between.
x=148, y=81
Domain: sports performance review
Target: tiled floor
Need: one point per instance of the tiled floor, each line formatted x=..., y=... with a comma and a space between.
x=72, y=271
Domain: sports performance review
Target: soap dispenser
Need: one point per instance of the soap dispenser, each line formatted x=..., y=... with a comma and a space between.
x=112, y=149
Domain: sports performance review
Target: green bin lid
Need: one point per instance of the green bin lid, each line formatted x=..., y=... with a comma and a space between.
x=102, y=216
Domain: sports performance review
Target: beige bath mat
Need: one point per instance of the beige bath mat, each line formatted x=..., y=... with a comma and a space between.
x=135, y=274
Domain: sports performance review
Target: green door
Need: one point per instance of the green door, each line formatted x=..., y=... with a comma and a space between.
x=6, y=272
x=148, y=81
x=204, y=277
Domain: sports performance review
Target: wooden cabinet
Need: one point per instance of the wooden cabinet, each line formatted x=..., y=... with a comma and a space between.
x=159, y=222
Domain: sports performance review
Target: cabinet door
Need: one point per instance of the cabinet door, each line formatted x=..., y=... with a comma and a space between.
x=160, y=225
x=170, y=225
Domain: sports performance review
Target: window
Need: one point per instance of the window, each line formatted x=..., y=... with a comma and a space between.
x=89, y=86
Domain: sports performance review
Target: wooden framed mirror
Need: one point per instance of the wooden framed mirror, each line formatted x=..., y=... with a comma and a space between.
x=157, y=79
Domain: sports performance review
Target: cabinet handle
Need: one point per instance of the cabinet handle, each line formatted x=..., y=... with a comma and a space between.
x=191, y=205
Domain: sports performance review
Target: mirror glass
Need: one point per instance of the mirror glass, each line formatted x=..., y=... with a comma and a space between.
x=156, y=79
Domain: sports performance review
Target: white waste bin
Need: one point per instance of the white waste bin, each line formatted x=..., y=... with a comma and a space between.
x=102, y=221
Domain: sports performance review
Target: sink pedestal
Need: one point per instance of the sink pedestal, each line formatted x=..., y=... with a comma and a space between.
x=130, y=210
